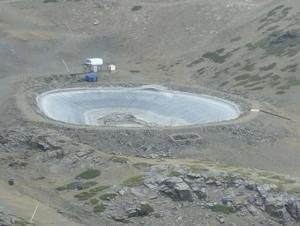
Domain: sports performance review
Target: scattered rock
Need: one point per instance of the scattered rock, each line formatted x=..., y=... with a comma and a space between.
x=96, y=22
x=200, y=192
x=264, y=189
x=293, y=207
x=274, y=207
x=226, y=199
x=144, y=209
x=154, y=182
x=123, y=191
x=177, y=189
x=251, y=185
x=221, y=219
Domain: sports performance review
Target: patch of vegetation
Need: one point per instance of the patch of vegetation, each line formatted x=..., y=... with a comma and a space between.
x=198, y=61
x=258, y=88
x=236, y=39
x=89, y=184
x=146, y=209
x=290, y=68
x=252, y=84
x=249, y=66
x=242, y=77
x=197, y=168
x=48, y=1
x=99, y=188
x=223, y=84
x=135, y=71
x=294, y=190
x=280, y=92
x=267, y=68
x=248, y=80
x=119, y=159
x=108, y=196
x=274, y=16
x=136, y=8
x=185, y=136
x=141, y=165
x=94, y=201
x=70, y=186
x=174, y=174
x=280, y=43
x=215, y=57
x=290, y=82
x=272, y=28
x=223, y=209
x=83, y=196
x=237, y=64
x=99, y=208
x=201, y=71
x=21, y=222
x=89, y=174
x=134, y=181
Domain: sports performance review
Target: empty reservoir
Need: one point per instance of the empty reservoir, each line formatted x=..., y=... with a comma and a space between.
x=134, y=107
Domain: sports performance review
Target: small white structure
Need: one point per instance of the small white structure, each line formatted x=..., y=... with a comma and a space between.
x=93, y=64
x=112, y=68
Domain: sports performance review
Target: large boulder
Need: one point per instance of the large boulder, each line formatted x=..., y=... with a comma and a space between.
x=176, y=188
x=274, y=206
x=293, y=207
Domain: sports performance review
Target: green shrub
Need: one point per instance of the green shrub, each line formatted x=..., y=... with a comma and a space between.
x=89, y=174
x=119, y=159
x=99, y=188
x=83, y=196
x=94, y=201
x=223, y=209
x=99, y=208
x=70, y=186
x=146, y=209
x=134, y=181
x=108, y=196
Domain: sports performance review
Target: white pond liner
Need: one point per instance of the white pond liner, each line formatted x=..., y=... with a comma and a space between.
x=134, y=107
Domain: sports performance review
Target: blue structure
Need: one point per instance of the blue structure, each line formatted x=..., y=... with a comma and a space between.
x=91, y=77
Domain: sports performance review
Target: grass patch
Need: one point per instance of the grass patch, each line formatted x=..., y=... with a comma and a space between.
x=94, y=201
x=49, y=1
x=174, y=174
x=216, y=56
x=136, y=8
x=89, y=184
x=146, y=209
x=134, y=181
x=267, y=68
x=83, y=196
x=99, y=188
x=68, y=187
x=141, y=165
x=294, y=190
x=72, y=186
x=223, y=209
x=119, y=159
x=99, y=208
x=89, y=174
x=197, y=168
x=108, y=196
x=21, y=222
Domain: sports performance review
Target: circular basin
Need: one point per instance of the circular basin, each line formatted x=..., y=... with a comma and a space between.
x=134, y=107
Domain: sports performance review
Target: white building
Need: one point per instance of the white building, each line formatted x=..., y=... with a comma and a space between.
x=93, y=64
